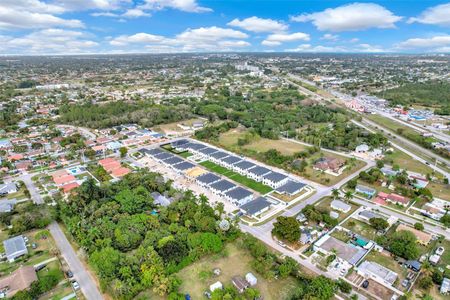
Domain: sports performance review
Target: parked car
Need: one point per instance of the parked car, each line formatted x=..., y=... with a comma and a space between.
x=365, y=284
x=75, y=285
x=405, y=283
x=282, y=244
x=207, y=294
x=69, y=274
x=440, y=250
x=34, y=246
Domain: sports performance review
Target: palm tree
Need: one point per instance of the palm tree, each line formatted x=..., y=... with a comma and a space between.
x=348, y=196
x=220, y=208
x=335, y=193
x=427, y=269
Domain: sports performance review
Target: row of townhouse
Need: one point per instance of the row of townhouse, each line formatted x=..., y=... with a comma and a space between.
x=233, y=162
x=170, y=160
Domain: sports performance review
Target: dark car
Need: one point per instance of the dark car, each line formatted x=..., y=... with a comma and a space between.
x=365, y=284
x=69, y=274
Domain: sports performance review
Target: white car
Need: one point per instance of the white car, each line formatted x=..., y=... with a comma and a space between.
x=282, y=244
x=75, y=285
x=440, y=251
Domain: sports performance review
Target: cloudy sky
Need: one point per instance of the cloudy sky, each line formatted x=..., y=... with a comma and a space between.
x=167, y=26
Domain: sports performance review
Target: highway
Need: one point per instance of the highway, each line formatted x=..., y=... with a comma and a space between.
x=412, y=154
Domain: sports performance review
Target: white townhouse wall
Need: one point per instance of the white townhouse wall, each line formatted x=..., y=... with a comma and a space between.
x=275, y=179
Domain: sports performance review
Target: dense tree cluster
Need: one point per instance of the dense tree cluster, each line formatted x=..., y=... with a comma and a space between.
x=286, y=228
x=315, y=214
x=27, y=216
x=431, y=93
x=270, y=114
x=132, y=244
x=110, y=114
x=402, y=243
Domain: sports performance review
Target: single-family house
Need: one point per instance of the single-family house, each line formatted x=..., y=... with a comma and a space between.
x=332, y=165
x=18, y=280
x=15, y=247
x=8, y=188
x=363, y=148
x=367, y=191
x=161, y=200
x=340, y=206
x=397, y=199
x=370, y=269
x=413, y=265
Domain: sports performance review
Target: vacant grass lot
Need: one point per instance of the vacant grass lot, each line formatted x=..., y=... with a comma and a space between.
x=407, y=162
x=250, y=183
x=325, y=203
x=198, y=277
x=361, y=228
x=439, y=190
x=229, y=141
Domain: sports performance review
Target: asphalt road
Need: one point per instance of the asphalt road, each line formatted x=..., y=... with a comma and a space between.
x=86, y=282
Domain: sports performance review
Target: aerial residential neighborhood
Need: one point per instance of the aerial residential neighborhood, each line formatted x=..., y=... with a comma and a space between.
x=245, y=150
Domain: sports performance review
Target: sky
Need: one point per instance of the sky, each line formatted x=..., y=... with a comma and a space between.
x=34, y=27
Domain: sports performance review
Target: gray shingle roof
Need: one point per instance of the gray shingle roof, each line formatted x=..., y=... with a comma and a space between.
x=14, y=245
x=259, y=171
x=183, y=166
x=179, y=143
x=196, y=146
x=219, y=155
x=255, y=206
x=223, y=185
x=231, y=160
x=163, y=156
x=208, y=150
x=238, y=193
x=245, y=165
x=275, y=177
x=291, y=187
x=173, y=161
x=208, y=178
x=151, y=152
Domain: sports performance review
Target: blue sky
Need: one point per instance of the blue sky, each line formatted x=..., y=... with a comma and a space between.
x=168, y=26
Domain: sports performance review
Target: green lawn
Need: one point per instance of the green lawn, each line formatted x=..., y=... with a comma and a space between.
x=250, y=183
x=388, y=262
x=407, y=162
x=361, y=228
x=325, y=202
x=260, y=145
x=198, y=276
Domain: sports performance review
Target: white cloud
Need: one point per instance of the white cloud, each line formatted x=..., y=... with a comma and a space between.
x=15, y=19
x=199, y=39
x=183, y=5
x=256, y=24
x=310, y=48
x=436, y=15
x=361, y=48
x=48, y=41
x=91, y=4
x=129, y=14
x=138, y=38
x=432, y=42
x=354, y=40
x=277, y=39
x=330, y=37
x=351, y=17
